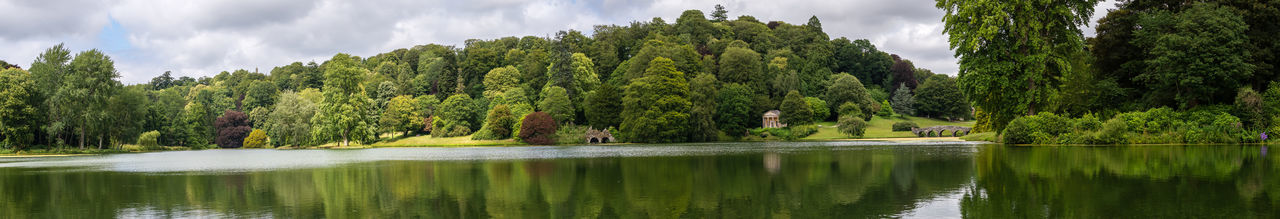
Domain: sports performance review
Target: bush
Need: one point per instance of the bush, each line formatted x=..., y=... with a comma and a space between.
x=149, y=139
x=1040, y=129
x=904, y=126
x=571, y=134
x=1112, y=132
x=852, y=126
x=886, y=110
x=256, y=139
x=538, y=128
x=801, y=131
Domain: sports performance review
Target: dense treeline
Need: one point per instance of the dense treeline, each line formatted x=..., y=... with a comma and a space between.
x=693, y=80
x=1214, y=62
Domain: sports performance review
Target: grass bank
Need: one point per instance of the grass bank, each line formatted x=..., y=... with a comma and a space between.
x=880, y=127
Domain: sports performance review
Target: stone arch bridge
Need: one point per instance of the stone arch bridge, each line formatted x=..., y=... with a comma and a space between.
x=939, y=131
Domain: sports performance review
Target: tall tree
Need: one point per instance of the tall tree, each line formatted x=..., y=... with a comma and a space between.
x=719, y=15
x=903, y=101
x=401, y=115
x=260, y=94
x=555, y=102
x=742, y=65
x=734, y=109
x=1198, y=55
x=47, y=72
x=795, y=111
x=656, y=106
x=603, y=106
x=85, y=91
x=290, y=120
x=345, y=113
x=847, y=89
x=940, y=97
x=1011, y=54
x=702, y=95
x=18, y=107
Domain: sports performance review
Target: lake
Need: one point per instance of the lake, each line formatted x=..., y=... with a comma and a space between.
x=733, y=180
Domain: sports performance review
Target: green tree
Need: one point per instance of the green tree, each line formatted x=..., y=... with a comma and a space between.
x=656, y=106
x=290, y=120
x=1011, y=54
x=260, y=94
x=702, y=116
x=684, y=57
x=852, y=126
x=940, y=97
x=820, y=109
x=742, y=65
x=199, y=126
x=555, y=101
x=47, y=72
x=401, y=115
x=886, y=110
x=128, y=112
x=850, y=109
x=346, y=112
x=785, y=80
x=603, y=106
x=17, y=108
x=795, y=111
x=500, y=80
x=734, y=109
x=1197, y=56
x=719, y=15
x=453, y=117
x=847, y=89
x=498, y=124
x=85, y=91
x=903, y=102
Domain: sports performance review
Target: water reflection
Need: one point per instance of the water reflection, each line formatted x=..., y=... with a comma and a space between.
x=877, y=181
x=800, y=180
x=1124, y=182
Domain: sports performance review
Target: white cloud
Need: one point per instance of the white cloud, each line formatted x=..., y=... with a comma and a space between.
x=201, y=38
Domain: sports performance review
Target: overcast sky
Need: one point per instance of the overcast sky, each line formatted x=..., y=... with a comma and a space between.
x=201, y=38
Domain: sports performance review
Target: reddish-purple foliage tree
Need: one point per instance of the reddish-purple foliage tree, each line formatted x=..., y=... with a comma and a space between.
x=538, y=128
x=232, y=127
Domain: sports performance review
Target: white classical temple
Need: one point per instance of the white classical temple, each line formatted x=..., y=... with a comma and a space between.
x=771, y=119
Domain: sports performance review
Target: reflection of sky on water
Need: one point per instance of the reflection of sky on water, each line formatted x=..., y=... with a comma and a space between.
x=244, y=160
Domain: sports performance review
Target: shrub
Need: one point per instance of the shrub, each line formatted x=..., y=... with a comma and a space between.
x=256, y=139
x=801, y=131
x=886, y=110
x=538, y=128
x=1112, y=132
x=1040, y=129
x=852, y=126
x=571, y=134
x=149, y=139
x=904, y=126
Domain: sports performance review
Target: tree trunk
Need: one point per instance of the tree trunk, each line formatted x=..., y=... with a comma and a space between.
x=345, y=142
x=81, y=137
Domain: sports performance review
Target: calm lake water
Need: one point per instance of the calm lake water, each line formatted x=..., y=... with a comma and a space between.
x=733, y=180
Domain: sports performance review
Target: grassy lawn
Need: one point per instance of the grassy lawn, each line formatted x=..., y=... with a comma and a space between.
x=881, y=128
x=426, y=140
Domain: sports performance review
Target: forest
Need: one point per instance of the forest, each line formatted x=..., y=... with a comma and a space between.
x=698, y=79
x=1156, y=72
